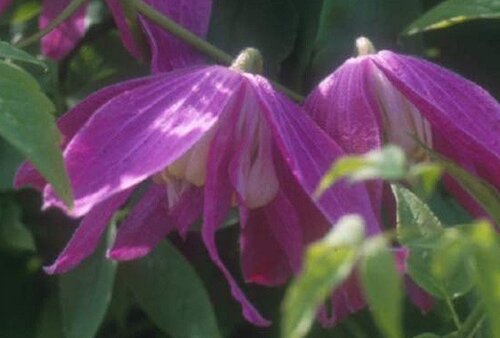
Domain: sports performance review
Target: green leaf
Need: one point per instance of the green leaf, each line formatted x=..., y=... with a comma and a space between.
x=8, y=51
x=424, y=235
x=13, y=233
x=484, y=193
x=328, y=263
x=295, y=66
x=49, y=323
x=486, y=250
x=415, y=219
x=268, y=25
x=427, y=335
x=389, y=163
x=26, y=123
x=171, y=293
x=453, y=12
x=85, y=293
x=382, y=286
x=10, y=159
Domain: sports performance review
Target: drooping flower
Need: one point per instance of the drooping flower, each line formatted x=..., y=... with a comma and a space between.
x=203, y=140
x=386, y=97
x=167, y=52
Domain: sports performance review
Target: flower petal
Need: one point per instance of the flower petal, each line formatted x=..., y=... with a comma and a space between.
x=88, y=234
x=271, y=242
x=167, y=51
x=140, y=132
x=70, y=123
x=345, y=107
x=60, y=41
x=218, y=194
x=145, y=226
x=309, y=153
x=4, y=4
x=187, y=210
x=456, y=107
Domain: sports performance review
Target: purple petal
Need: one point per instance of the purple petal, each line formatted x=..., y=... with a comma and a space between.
x=346, y=300
x=418, y=296
x=140, y=132
x=4, y=4
x=69, y=124
x=61, y=41
x=218, y=195
x=167, y=51
x=454, y=106
x=87, y=235
x=187, y=210
x=344, y=106
x=309, y=153
x=145, y=226
x=271, y=242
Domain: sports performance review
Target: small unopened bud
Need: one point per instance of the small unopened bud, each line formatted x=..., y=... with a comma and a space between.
x=249, y=61
x=364, y=46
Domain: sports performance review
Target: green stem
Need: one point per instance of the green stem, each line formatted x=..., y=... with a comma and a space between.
x=65, y=14
x=453, y=312
x=472, y=323
x=196, y=42
x=185, y=35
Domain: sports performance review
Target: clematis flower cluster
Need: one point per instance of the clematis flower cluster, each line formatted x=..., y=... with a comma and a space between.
x=383, y=97
x=167, y=52
x=193, y=141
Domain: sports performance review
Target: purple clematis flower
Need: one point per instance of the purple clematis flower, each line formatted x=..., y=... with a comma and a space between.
x=385, y=97
x=202, y=140
x=4, y=4
x=192, y=14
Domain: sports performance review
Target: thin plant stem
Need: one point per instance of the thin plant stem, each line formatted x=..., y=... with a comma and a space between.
x=196, y=42
x=472, y=323
x=65, y=14
x=454, y=315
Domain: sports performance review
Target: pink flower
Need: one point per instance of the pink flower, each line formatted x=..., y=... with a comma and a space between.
x=4, y=4
x=203, y=140
x=385, y=97
x=192, y=14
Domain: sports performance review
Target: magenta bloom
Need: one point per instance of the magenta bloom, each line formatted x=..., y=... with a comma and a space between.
x=4, y=4
x=203, y=140
x=192, y=14
x=386, y=97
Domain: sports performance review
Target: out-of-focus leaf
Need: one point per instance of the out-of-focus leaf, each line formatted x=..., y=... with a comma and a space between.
x=382, y=286
x=295, y=66
x=7, y=51
x=49, y=324
x=427, y=335
x=26, y=123
x=486, y=249
x=10, y=159
x=85, y=293
x=484, y=193
x=453, y=12
x=328, y=262
x=268, y=25
x=170, y=292
x=342, y=21
x=13, y=233
x=389, y=163
x=26, y=11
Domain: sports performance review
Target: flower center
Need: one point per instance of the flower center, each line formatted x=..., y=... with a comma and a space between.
x=404, y=125
x=251, y=170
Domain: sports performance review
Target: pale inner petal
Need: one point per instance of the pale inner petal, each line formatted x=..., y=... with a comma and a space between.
x=402, y=120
